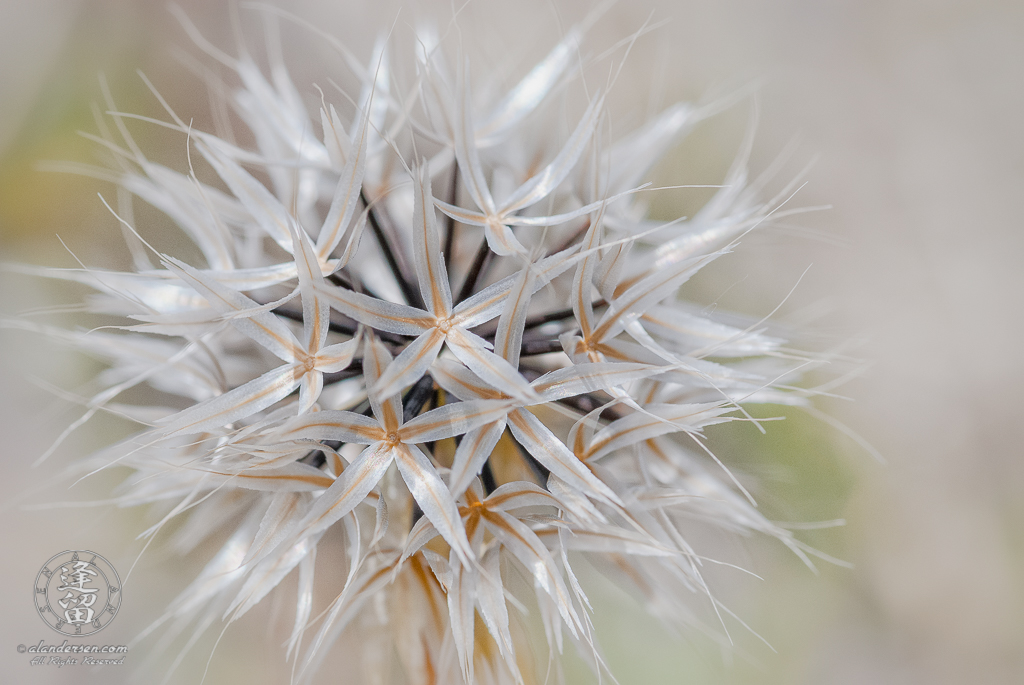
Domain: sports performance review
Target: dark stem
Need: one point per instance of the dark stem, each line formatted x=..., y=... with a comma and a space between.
x=421, y=392
x=417, y=397
x=531, y=347
x=538, y=321
x=473, y=275
x=558, y=315
x=317, y=458
x=449, y=222
x=487, y=476
x=343, y=280
x=412, y=295
x=340, y=279
x=354, y=369
x=417, y=513
x=582, y=403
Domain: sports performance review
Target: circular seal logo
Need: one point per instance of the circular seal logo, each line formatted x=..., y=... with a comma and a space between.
x=77, y=593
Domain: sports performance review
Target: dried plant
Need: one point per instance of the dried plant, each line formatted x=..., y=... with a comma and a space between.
x=429, y=327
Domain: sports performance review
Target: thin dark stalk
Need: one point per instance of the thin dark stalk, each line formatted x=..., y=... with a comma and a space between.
x=558, y=315
x=550, y=317
x=531, y=347
x=317, y=458
x=487, y=476
x=421, y=392
x=342, y=280
x=473, y=275
x=417, y=397
x=354, y=369
x=412, y=295
x=582, y=403
x=449, y=222
x=538, y=321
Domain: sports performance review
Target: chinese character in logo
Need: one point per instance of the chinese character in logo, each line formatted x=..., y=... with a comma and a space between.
x=78, y=601
x=77, y=593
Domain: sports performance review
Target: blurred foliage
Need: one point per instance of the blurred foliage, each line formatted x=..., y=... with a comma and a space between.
x=803, y=477
x=797, y=461
x=109, y=40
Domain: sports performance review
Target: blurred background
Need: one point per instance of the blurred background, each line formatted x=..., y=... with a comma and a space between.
x=910, y=111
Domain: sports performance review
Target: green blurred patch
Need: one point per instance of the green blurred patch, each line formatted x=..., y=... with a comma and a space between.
x=702, y=157
x=797, y=473
x=797, y=465
x=35, y=202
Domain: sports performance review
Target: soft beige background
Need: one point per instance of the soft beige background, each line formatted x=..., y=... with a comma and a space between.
x=913, y=111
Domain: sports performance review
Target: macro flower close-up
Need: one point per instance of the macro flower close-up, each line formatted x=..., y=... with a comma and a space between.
x=417, y=349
